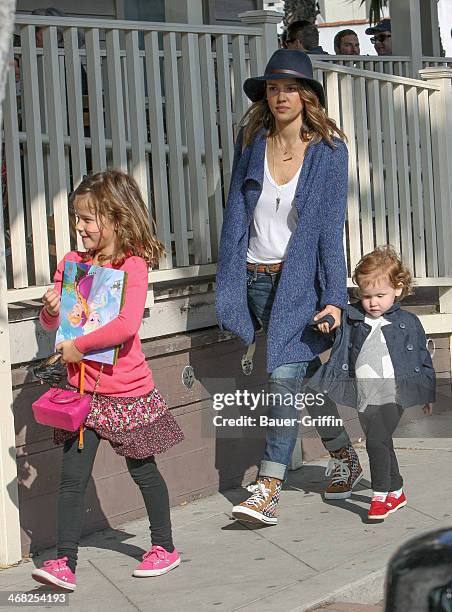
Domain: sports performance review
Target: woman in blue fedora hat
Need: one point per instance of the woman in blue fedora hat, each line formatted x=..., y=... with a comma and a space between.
x=281, y=259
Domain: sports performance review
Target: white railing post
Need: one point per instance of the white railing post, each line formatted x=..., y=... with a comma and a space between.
x=10, y=548
x=267, y=20
x=441, y=130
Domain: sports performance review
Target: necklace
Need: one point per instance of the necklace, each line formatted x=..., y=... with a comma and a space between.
x=286, y=154
x=278, y=188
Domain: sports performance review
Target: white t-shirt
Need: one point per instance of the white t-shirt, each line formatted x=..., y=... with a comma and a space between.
x=271, y=229
x=374, y=369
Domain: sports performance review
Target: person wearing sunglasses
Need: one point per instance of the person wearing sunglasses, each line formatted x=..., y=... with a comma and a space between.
x=381, y=37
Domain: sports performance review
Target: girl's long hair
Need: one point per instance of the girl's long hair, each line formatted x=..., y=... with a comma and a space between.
x=115, y=197
x=316, y=123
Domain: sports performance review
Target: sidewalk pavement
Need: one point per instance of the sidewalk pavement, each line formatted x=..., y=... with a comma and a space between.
x=320, y=552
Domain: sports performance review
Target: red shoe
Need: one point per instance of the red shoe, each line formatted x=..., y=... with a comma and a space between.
x=394, y=503
x=378, y=510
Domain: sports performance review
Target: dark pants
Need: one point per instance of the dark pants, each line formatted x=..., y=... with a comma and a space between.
x=378, y=424
x=75, y=474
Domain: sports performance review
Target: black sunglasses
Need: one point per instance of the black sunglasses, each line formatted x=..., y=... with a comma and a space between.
x=379, y=38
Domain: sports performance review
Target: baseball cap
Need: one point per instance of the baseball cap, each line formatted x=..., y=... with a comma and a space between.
x=382, y=26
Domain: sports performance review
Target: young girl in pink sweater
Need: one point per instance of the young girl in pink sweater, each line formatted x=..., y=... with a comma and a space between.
x=127, y=410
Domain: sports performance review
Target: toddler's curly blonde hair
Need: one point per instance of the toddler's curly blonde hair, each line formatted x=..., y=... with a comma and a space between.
x=383, y=263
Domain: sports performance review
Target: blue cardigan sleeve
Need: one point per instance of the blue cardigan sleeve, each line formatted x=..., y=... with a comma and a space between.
x=331, y=246
x=237, y=151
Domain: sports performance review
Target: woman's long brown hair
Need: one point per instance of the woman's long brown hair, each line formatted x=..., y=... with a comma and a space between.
x=315, y=127
x=115, y=197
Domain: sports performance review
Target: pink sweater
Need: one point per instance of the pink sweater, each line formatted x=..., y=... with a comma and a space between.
x=130, y=377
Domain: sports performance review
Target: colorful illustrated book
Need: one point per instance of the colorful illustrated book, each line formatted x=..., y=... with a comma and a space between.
x=91, y=297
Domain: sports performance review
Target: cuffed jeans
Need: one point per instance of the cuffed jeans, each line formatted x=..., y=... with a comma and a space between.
x=287, y=381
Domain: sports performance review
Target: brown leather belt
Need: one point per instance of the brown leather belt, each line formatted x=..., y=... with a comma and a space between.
x=269, y=268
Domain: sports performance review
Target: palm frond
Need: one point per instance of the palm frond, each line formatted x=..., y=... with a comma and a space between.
x=375, y=9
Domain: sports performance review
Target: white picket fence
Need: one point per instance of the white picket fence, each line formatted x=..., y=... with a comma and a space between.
x=435, y=62
x=395, y=128
x=386, y=64
x=162, y=101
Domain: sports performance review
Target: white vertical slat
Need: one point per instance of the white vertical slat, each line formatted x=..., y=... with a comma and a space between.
x=415, y=181
x=354, y=247
x=212, y=149
x=138, y=129
x=126, y=97
x=334, y=112
x=106, y=106
x=256, y=62
x=64, y=113
x=116, y=105
x=194, y=127
x=224, y=103
x=376, y=149
x=75, y=105
x=96, y=112
x=403, y=176
x=365, y=195
x=158, y=151
x=428, y=194
x=390, y=164
x=239, y=68
x=318, y=74
x=35, y=156
x=14, y=182
x=42, y=93
x=177, y=187
x=332, y=96
x=56, y=143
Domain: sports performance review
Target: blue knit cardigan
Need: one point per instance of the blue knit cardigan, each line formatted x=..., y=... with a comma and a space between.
x=314, y=272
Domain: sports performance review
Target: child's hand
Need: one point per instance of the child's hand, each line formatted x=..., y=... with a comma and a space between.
x=428, y=409
x=51, y=301
x=69, y=352
x=335, y=312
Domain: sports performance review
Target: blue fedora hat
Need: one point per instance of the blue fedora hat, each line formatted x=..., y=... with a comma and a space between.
x=283, y=64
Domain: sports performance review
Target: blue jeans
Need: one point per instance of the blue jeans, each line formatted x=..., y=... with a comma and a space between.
x=285, y=381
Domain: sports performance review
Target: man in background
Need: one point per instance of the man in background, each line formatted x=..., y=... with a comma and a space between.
x=346, y=42
x=381, y=37
x=304, y=36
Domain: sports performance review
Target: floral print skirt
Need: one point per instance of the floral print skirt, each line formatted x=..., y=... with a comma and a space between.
x=136, y=427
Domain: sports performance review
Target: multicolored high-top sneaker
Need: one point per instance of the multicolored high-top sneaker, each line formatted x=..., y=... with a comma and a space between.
x=57, y=573
x=261, y=506
x=345, y=471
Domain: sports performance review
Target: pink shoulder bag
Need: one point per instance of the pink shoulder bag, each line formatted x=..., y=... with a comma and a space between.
x=64, y=408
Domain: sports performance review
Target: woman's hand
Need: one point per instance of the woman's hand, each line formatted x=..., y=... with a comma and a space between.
x=428, y=409
x=69, y=352
x=335, y=312
x=51, y=301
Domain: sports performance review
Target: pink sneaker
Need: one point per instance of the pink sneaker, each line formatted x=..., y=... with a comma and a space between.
x=156, y=562
x=56, y=572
